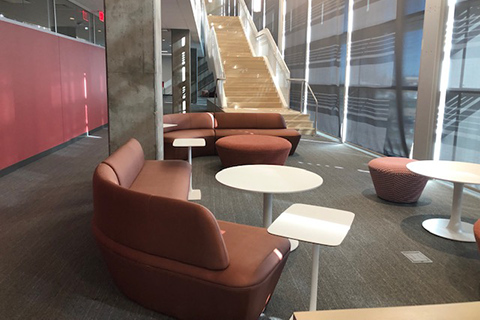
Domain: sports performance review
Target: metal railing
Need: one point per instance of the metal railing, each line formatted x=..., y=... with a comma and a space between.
x=304, y=106
x=263, y=45
x=214, y=58
x=217, y=86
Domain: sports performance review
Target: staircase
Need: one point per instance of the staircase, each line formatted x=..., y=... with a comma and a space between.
x=249, y=86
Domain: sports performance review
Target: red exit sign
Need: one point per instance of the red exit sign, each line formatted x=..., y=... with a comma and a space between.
x=85, y=15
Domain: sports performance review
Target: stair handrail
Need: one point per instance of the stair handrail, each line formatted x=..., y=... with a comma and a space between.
x=263, y=45
x=304, y=107
x=214, y=57
x=217, y=81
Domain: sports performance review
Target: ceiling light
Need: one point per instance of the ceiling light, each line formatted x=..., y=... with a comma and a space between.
x=257, y=5
x=72, y=18
x=86, y=28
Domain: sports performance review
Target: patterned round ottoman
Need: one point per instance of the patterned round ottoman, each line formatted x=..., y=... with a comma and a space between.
x=394, y=182
x=252, y=149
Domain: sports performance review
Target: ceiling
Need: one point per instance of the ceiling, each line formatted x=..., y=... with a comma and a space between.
x=92, y=5
x=176, y=14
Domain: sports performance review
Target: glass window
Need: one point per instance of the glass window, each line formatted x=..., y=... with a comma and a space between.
x=461, y=133
x=327, y=62
x=73, y=21
x=385, y=61
x=35, y=12
x=296, y=18
x=99, y=31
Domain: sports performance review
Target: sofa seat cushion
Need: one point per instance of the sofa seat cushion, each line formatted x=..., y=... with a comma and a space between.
x=169, y=178
x=189, y=133
x=170, y=152
x=249, y=120
x=187, y=121
x=220, y=133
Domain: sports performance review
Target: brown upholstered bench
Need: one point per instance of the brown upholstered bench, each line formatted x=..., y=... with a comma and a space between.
x=173, y=256
x=216, y=126
x=269, y=124
x=252, y=149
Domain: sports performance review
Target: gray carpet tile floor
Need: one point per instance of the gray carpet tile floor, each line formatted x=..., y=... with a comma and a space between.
x=50, y=267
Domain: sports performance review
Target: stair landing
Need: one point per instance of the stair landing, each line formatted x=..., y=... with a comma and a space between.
x=249, y=86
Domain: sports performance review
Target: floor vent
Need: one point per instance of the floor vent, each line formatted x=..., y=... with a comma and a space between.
x=416, y=257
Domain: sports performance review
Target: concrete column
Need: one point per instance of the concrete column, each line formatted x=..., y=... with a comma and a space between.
x=181, y=90
x=281, y=25
x=134, y=73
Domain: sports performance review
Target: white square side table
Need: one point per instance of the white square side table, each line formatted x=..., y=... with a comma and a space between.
x=194, y=194
x=317, y=225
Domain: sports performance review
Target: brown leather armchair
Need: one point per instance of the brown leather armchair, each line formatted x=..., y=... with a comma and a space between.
x=173, y=256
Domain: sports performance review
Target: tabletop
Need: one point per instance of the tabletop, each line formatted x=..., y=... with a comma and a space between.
x=454, y=311
x=453, y=171
x=269, y=178
x=314, y=224
x=189, y=142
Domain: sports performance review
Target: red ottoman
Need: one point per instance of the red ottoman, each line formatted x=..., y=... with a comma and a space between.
x=476, y=231
x=252, y=149
x=394, y=182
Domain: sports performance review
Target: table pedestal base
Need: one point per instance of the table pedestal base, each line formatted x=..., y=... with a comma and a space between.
x=439, y=227
x=195, y=194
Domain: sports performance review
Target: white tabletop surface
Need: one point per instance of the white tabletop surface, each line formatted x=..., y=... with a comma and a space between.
x=169, y=125
x=269, y=178
x=189, y=142
x=454, y=171
x=313, y=224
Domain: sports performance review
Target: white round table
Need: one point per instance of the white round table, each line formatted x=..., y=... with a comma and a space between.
x=269, y=179
x=459, y=173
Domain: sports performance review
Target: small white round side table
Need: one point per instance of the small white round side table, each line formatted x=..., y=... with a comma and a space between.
x=459, y=173
x=269, y=179
x=194, y=194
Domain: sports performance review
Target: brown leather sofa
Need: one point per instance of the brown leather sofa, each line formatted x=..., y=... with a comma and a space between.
x=173, y=256
x=215, y=126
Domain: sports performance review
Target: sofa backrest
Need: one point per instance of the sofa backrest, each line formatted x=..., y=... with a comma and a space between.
x=249, y=121
x=185, y=121
x=127, y=162
x=169, y=228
